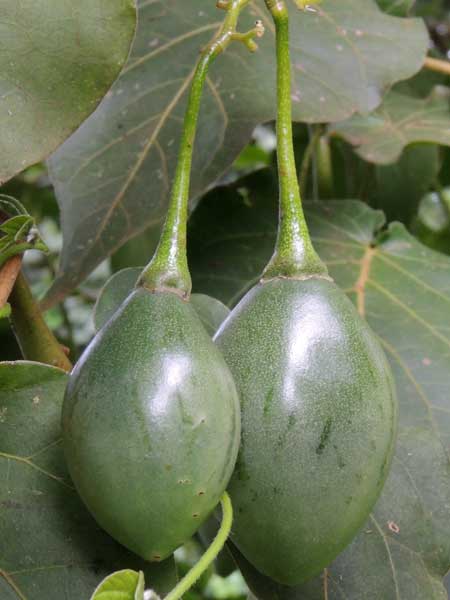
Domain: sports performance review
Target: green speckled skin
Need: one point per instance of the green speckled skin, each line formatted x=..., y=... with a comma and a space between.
x=319, y=417
x=151, y=424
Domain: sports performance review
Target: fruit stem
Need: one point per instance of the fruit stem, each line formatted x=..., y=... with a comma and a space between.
x=216, y=546
x=35, y=339
x=294, y=254
x=168, y=270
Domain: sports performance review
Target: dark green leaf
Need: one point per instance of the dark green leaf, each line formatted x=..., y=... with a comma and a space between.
x=398, y=188
x=403, y=289
x=211, y=311
x=50, y=547
x=113, y=176
x=57, y=59
x=381, y=136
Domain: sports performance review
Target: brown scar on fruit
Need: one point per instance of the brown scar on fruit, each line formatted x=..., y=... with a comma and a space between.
x=393, y=527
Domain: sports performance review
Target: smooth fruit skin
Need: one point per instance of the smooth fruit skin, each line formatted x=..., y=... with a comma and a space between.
x=151, y=424
x=319, y=417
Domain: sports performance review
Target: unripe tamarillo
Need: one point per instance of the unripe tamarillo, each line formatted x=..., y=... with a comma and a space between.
x=151, y=424
x=318, y=424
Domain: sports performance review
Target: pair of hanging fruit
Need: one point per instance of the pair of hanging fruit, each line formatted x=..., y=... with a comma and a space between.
x=318, y=403
x=151, y=417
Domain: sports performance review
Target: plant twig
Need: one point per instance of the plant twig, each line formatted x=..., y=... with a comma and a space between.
x=216, y=546
x=8, y=275
x=436, y=64
x=35, y=339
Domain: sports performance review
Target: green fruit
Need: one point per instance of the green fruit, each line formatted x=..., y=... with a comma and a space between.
x=151, y=424
x=318, y=424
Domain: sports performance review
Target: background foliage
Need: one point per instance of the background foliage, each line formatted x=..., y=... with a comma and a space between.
x=379, y=153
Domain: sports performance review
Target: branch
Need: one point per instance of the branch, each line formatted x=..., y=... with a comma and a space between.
x=8, y=276
x=436, y=64
x=35, y=339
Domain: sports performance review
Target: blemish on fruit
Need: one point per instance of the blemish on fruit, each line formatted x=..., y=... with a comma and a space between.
x=156, y=557
x=324, y=436
x=195, y=515
x=393, y=527
x=201, y=493
x=268, y=401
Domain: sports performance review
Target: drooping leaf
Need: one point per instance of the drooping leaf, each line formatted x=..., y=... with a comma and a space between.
x=121, y=585
x=381, y=136
x=50, y=547
x=403, y=290
x=211, y=311
x=113, y=176
x=58, y=59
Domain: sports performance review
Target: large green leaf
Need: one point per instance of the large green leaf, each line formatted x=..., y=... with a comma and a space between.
x=403, y=289
x=58, y=59
x=113, y=176
x=381, y=136
x=50, y=547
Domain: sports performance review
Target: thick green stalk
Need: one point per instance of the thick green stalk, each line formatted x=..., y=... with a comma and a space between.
x=168, y=270
x=216, y=546
x=294, y=254
x=35, y=339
